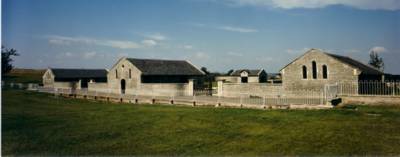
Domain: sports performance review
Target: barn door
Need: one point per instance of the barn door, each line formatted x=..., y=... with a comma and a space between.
x=123, y=84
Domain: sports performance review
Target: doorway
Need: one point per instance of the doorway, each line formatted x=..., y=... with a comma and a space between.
x=123, y=86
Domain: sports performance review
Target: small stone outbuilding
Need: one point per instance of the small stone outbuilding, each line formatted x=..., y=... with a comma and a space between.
x=73, y=78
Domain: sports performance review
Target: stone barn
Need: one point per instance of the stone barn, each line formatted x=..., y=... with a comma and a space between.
x=153, y=76
x=315, y=68
x=73, y=78
x=245, y=76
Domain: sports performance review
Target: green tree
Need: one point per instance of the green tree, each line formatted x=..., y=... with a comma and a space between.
x=376, y=61
x=229, y=72
x=6, y=60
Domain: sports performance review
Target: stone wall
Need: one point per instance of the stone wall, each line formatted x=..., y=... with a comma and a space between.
x=253, y=79
x=122, y=68
x=67, y=85
x=292, y=74
x=162, y=89
x=249, y=89
x=48, y=79
x=99, y=87
x=371, y=100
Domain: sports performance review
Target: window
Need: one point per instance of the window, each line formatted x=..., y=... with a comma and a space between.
x=244, y=80
x=116, y=73
x=314, y=70
x=130, y=73
x=304, y=72
x=324, y=72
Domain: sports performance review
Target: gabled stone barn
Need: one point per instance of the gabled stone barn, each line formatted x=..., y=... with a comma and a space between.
x=73, y=78
x=315, y=68
x=132, y=75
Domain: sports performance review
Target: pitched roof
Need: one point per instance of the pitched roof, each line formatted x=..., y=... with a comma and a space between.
x=251, y=72
x=79, y=73
x=365, y=69
x=165, y=67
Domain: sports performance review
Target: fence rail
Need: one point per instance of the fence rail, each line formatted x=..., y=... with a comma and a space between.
x=372, y=88
x=204, y=97
x=210, y=97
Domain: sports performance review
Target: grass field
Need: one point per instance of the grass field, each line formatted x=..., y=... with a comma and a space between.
x=40, y=124
x=24, y=76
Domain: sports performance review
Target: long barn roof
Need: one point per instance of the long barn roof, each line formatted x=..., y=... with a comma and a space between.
x=79, y=73
x=365, y=69
x=165, y=67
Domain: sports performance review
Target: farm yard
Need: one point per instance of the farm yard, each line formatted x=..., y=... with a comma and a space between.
x=41, y=124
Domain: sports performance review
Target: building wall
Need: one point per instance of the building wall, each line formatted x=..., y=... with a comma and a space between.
x=253, y=79
x=99, y=87
x=48, y=79
x=249, y=89
x=292, y=76
x=114, y=83
x=67, y=85
x=162, y=89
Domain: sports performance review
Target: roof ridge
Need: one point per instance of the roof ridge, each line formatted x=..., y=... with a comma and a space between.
x=76, y=69
x=152, y=59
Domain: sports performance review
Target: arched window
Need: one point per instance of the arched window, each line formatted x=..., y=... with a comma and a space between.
x=116, y=73
x=324, y=72
x=314, y=70
x=304, y=72
x=130, y=73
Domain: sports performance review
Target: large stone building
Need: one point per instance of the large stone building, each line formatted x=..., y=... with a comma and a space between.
x=131, y=75
x=245, y=76
x=73, y=78
x=314, y=69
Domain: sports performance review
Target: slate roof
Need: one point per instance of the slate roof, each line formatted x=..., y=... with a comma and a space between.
x=165, y=67
x=79, y=73
x=365, y=69
x=251, y=72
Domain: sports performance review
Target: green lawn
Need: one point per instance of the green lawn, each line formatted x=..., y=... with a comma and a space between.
x=24, y=76
x=40, y=124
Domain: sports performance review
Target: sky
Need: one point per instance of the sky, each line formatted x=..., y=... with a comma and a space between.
x=217, y=34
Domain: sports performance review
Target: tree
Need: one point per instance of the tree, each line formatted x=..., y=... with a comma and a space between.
x=229, y=72
x=376, y=61
x=204, y=69
x=6, y=59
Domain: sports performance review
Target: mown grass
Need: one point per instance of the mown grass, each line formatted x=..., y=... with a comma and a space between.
x=24, y=76
x=40, y=124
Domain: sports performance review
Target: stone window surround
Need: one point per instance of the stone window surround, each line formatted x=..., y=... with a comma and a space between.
x=327, y=72
x=302, y=72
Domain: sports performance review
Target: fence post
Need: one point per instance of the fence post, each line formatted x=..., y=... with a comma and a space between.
x=241, y=99
x=393, y=85
x=264, y=101
x=194, y=99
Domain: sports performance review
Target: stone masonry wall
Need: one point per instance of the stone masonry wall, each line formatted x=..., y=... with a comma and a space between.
x=99, y=87
x=249, y=89
x=122, y=68
x=292, y=77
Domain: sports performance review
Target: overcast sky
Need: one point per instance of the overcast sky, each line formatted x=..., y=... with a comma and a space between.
x=217, y=34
